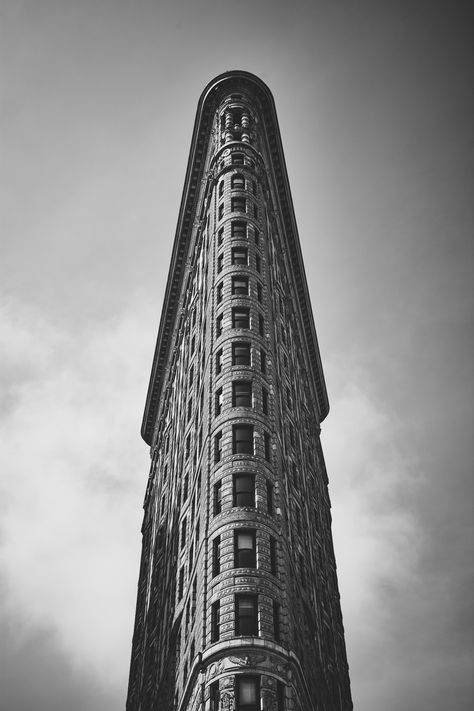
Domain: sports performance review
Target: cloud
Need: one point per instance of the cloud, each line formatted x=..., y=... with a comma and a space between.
x=74, y=471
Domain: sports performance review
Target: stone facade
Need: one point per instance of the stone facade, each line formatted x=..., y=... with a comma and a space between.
x=238, y=605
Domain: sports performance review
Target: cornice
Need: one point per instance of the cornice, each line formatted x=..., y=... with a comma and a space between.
x=211, y=97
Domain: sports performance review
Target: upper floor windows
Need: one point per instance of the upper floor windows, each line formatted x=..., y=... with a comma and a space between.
x=240, y=353
x=242, y=439
x=240, y=285
x=239, y=230
x=246, y=615
x=237, y=159
x=240, y=317
x=237, y=181
x=215, y=622
x=244, y=490
x=221, y=188
x=240, y=256
x=218, y=447
x=221, y=211
x=218, y=362
x=238, y=204
x=245, y=549
x=242, y=393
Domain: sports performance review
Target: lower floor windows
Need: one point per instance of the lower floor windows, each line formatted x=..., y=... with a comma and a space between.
x=247, y=693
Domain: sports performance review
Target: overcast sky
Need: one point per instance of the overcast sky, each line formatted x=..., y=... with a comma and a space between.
x=374, y=104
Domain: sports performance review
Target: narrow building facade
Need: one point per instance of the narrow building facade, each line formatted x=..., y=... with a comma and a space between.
x=238, y=605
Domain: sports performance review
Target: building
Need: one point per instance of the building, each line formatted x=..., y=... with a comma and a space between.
x=238, y=605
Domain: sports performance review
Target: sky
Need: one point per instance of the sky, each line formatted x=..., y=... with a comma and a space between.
x=374, y=100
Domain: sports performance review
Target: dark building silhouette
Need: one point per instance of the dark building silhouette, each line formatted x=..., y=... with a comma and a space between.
x=238, y=605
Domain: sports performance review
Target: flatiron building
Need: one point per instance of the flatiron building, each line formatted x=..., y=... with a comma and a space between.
x=238, y=605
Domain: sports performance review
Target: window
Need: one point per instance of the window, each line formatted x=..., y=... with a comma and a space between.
x=280, y=696
x=215, y=697
x=241, y=354
x=263, y=361
x=191, y=376
x=216, y=559
x=219, y=320
x=256, y=234
x=245, y=549
x=221, y=211
x=273, y=556
x=254, y=187
x=219, y=361
x=259, y=292
x=190, y=408
x=255, y=211
x=218, y=447
x=181, y=583
x=239, y=230
x=219, y=292
x=218, y=402
x=183, y=533
x=220, y=237
x=240, y=285
x=237, y=159
x=258, y=266
x=240, y=317
x=265, y=401
x=237, y=181
x=218, y=497
x=221, y=188
x=240, y=256
x=246, y=615
x=261, y=325
x=276, y=621
x=215, y=621
x=269, y=497
x=242, y=439
x=247, y=693
x=266, y=441
x=242, y=393
x=238, y=204
x=220, y=263
x=244, y=490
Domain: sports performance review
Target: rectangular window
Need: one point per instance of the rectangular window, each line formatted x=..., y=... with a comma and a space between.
x=219, y=292
x=237, y=159
x=241, y=393
x=258, y=264
x=246, y=615
x=183, y=533
x=215, y=621
x=247, y=693
x=276, y=621
x=220, y=237
x=221, y=188
x=269, y=497
x=219, y=361
x=256, y=234
x=280, y=696
x=239, y=230
x=240, y=317
x=240, y=256
x=190, y=408
x=218, y=447
x=217, y=498
x=215, y=697
x=263, y=361
x=220, y=263
x=218, y=402
x=259, y=292
x=241, y=354
x=242, y=439
x=265, y=401
x=238, y=181
x=255, y=211
x=216, y=558
x=266, y=442
x=221, y=211
x=219, y=321
x=240, y=285
x=244, y=490
x=245, y=549
x=273, y=555
x=181, y=583
x=254, y=187
x=238, y=204
x=261, y=325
